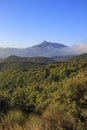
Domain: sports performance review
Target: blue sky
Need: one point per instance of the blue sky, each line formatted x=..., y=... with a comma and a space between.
x=24, y=23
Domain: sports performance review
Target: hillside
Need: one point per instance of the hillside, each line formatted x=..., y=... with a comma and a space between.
x=26, y=59
x=80, y=57
x=51, y=94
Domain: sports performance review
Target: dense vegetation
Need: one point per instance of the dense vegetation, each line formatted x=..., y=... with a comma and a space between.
x=43, y=96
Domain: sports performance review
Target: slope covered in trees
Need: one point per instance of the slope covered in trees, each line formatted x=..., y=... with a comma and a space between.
x=42, y=96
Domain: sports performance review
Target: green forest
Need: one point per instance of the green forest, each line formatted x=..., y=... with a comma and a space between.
x=42, y=94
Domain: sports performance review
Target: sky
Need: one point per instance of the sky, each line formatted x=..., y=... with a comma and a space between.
x=24, y=23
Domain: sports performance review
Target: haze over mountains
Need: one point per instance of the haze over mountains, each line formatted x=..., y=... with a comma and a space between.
x=44, y=49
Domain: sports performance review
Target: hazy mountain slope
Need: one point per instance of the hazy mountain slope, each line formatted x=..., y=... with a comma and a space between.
x=44, y=49
x=13, y=58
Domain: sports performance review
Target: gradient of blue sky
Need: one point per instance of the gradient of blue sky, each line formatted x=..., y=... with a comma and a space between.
x=24, y=23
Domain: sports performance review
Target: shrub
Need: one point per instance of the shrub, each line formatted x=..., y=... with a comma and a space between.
x=12, y=119
x=34, y=123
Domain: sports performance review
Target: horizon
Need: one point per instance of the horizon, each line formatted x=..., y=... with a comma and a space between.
x=27, y=23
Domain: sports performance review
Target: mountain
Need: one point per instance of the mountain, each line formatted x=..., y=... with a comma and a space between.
x=46, y=44
x=44, y=49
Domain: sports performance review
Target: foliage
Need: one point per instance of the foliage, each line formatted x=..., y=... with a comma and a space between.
x=50, y=95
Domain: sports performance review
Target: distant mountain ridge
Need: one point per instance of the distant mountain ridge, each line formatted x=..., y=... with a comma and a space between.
x=50, y=44
x=15, y=59
x=12, y=59
x=44, y=49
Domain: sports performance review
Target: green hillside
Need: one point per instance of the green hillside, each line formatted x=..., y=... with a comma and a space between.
x=43, y=95
x=80, y=57
x=12, y=58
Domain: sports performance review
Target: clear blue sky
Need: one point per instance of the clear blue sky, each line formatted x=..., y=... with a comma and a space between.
x=24, y=23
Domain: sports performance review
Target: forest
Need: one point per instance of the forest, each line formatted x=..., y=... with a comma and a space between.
x=42, y=94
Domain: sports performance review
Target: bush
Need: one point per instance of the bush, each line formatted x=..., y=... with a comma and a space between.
x=12, y=119
x=34, y=123
x=56, y=119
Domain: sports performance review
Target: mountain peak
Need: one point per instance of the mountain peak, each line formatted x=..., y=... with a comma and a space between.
x=44, y=41
x=50, y=44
